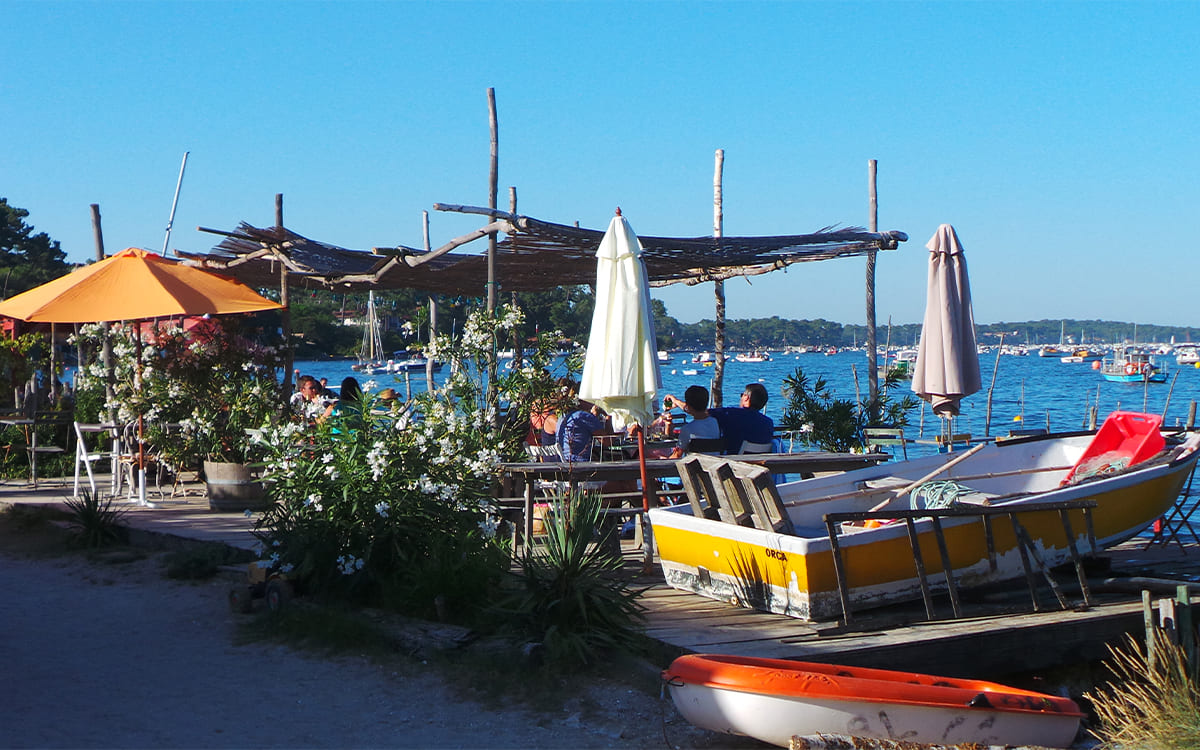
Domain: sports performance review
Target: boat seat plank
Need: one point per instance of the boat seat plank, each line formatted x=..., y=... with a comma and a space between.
x=742, y=494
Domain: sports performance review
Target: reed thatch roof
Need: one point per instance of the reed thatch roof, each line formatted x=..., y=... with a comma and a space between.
x=535, y=255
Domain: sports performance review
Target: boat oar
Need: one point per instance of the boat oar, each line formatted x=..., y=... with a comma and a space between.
x=928, y=476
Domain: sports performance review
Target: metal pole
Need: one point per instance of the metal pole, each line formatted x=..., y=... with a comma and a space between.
x=175, y=203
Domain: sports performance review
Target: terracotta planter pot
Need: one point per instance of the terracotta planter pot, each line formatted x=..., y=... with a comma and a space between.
x=233, y=487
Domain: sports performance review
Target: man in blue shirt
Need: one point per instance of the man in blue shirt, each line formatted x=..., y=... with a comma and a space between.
x=575, y=431
x=746, y=421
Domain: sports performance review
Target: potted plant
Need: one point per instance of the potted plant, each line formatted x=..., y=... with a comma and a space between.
x=202, y=388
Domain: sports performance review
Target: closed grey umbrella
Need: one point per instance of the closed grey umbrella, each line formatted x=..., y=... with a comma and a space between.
x=947, y=360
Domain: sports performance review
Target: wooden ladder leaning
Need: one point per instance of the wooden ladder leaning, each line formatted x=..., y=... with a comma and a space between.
x=1026, y=547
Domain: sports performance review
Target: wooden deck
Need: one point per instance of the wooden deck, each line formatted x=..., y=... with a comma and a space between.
x=999, y=635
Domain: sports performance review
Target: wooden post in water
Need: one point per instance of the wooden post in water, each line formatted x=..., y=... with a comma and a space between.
x=987, y=418
x=1191, y=417
x=873, y=225
x=1170, y=390
x=718, y=381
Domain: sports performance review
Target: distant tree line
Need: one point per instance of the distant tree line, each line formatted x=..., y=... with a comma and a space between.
x=28, y=259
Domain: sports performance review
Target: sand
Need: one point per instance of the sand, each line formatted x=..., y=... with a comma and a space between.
x=106, y=654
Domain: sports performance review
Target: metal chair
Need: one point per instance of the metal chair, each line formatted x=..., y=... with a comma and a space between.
x=749, y=447
x=877, y=436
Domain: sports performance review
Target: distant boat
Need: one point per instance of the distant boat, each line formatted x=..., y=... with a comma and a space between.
x=371, y=351
x=691, y=372
x=753, y=357
x=1083, y=355
x=1051, y=351
x=1130, y=366
x=1187, y=354
x=663, y=357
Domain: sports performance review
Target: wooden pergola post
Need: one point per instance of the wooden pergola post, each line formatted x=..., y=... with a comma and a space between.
x=493, y=395
x=872, y=354
x=433, y=311
x=106, y=346
x=718, y=286
x=285, y=314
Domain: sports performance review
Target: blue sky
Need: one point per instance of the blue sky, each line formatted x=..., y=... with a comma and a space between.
x=1060, y=139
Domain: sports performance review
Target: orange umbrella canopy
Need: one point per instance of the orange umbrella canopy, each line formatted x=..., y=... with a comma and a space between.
x=132, y=285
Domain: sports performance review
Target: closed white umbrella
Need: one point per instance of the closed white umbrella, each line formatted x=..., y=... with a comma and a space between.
x=947, y=367
x=621, y=370
x=620, y=373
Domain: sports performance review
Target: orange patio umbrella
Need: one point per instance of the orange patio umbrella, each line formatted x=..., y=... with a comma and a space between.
x=133, y=285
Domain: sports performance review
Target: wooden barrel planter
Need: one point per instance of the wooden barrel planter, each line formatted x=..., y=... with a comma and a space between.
x=233, y=487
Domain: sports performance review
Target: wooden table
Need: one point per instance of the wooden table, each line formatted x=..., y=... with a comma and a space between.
x=528, y=473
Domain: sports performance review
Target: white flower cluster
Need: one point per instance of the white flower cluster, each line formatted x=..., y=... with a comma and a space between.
x=348, y=564
x=428, y=486
x=377, y=459
x=382, y=509
x=314, y=502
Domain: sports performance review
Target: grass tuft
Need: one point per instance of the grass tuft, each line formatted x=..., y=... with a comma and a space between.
x=1151, y=703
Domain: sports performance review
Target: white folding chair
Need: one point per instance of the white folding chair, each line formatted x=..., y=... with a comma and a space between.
x=86, y=457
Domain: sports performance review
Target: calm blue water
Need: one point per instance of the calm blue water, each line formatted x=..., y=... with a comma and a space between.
x=1032, y=391
x=1029, y=391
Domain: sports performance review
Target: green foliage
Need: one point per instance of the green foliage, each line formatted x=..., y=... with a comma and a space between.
x=568, y=596
x=94, y=522
x=18, y=357
x=375, y=507
x=1152, y=703
x=832, y=424
x=201, y=388
x=26, y=259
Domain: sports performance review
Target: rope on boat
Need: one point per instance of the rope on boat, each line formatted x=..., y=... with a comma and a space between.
x=937, y=494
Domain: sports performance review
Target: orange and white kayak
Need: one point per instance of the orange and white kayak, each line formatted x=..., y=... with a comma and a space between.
x=773, y=700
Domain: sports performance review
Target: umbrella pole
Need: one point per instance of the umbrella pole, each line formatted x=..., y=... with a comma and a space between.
x=137, y=383
x=647, y=494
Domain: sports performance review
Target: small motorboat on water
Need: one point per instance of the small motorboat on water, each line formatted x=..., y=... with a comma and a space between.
x=1128, y=365
x=753, y=357
x=773, y=700
x=783, y=559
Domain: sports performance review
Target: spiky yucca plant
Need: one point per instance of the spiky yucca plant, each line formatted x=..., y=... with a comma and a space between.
x=1152, y=703
x=94, y=522
x=568, y=594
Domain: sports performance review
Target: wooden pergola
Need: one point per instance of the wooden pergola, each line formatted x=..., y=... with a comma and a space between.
x=535, y=256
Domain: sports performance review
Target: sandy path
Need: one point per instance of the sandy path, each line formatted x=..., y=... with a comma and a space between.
x=102, y=655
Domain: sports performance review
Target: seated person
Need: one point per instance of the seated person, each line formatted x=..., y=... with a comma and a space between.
x=703, y=425
x=746, y=421
x=349, y=403
x=575, y=431
x=306, y=402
